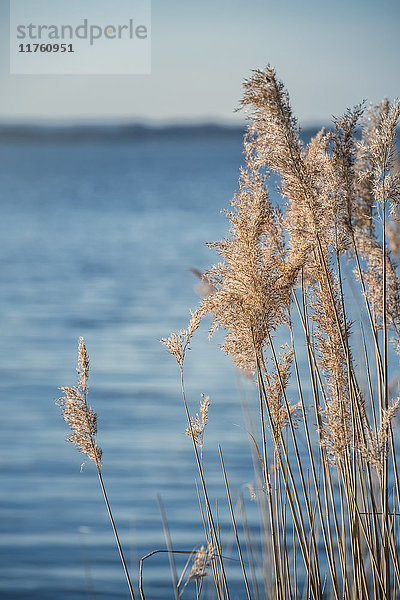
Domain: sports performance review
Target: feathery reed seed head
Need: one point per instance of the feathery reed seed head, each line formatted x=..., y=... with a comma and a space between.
x=197, y=424
x=76, y=412
x=201, y=560
x=178, y=343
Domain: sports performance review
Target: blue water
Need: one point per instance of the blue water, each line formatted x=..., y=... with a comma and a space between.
x=96, y=239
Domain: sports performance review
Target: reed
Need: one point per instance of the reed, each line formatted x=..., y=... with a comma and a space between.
x=319, y=272
x=83, y=423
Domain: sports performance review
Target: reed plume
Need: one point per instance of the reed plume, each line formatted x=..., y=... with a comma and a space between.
x=83, y=423
x=252, y=285
x=198, y=423
x=76, y=412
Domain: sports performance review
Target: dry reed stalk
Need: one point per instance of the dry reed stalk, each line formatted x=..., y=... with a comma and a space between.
x=177, y=345
x=83, y=423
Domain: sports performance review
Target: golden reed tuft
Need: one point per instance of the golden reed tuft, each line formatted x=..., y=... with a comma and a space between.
x=76, y=412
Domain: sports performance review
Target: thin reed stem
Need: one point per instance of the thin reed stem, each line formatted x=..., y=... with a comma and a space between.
x=103, y=489
x=215, y=537
x=234, y=524
x=169, y=547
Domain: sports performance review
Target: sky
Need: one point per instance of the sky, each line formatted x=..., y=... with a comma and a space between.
x=330, y=54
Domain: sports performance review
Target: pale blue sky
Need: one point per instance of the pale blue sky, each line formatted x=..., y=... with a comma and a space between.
x=331, y=55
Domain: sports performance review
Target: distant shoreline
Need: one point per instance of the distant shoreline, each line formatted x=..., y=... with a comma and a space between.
x=120, y=132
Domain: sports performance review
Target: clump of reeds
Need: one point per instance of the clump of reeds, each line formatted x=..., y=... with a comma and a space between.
x=320, y=263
